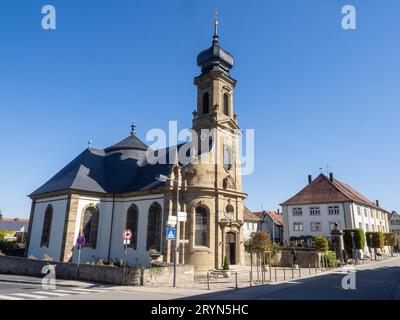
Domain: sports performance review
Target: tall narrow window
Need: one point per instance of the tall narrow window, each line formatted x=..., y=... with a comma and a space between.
x=48, y=217
x=201, y=227
x=227, y=158
x=206, y=103
x=226, y=104
x=154, y=227
x=89, y=226
x=132, y=217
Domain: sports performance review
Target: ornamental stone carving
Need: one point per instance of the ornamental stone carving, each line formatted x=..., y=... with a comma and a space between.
x=229, y=183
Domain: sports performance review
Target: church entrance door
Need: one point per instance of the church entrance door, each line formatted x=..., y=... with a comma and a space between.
x=231, y=247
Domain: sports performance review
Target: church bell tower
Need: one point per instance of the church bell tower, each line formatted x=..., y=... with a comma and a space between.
x=214, y=194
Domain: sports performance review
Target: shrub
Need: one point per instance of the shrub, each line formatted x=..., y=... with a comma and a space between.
x=359, y=239
x=226, y=264
x=321, y=243
x=375, y=240
x=390, y=239
x=330, y=259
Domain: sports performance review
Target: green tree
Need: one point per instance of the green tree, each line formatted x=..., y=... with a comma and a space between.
x=321, y=243
x=375, y=240
x=257, y=243
x=390, y=240
x=358, y=236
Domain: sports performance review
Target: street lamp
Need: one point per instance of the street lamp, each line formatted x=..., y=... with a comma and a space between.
x=163, y=178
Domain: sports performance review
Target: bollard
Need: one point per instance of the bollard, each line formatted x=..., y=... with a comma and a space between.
x=292, y=272
x=236, y=281
x=284, y=273
x=208, y=281
x=275, y=275
x=251, y=278
x=299, y=272
x=270, y=273
x=309, y=269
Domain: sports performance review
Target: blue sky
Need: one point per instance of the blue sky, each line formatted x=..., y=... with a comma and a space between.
x=314, y=93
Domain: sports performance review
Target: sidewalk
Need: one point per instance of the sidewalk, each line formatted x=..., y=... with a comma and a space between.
x=38, y=281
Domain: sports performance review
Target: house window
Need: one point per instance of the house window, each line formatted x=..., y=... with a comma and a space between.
x=297, y=211
x=48, y=217
x=298, y=226
x=333, y=210
x=89, y=226
x=365, y=212
x=315, y=226
x=332, y=225
x=373, y=227
x=206, y=103
x=226, y=104
x=314, y=211
x=359, y=225
x=154, y=227
x=359, y=211
x=366, y=227
x=132, y=217
x=201, y=227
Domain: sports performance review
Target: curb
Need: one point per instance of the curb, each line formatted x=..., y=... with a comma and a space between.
x=39, y=283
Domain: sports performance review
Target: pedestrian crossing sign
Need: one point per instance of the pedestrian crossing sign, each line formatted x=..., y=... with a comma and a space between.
x=171, y=233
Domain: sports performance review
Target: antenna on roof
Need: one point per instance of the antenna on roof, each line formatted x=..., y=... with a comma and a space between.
x=320, y=169
x=133, y=128
x=90, y=143
x=327, y=169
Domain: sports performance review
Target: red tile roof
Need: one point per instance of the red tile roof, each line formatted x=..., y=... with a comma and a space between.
x=274, y=215
x=249, y=216
x=322, y=190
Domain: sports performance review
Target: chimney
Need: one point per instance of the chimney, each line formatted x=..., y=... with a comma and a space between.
x=331, y=177
x=309, y=178
x=377, y=203
x=279, y=211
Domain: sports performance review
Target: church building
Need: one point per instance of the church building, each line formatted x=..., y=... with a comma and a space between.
x=102, y=192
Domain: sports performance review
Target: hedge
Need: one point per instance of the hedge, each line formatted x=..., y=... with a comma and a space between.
x=375, y=239
x=359, y=239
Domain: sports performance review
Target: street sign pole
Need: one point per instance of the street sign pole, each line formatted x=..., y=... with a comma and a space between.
x=126, y=250
x=177, y=232
x=79, y=254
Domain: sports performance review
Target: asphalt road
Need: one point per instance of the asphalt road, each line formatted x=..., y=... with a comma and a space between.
x=380, y=281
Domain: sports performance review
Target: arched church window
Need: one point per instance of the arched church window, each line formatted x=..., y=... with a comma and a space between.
x=48, y=218
x=132, y=217
x=227, y=158
x=201, y=227
x=226, y=104
x=89, y=226
x=206, y=103
x=154, y=227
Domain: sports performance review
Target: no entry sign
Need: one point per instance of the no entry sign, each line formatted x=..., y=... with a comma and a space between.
x=127, y=234
x=80, y=241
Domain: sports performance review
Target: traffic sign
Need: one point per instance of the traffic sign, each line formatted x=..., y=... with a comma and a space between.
x=171, y=221
x=182, y=216
x=171, y=233
x=127, y=234
x=81, y=241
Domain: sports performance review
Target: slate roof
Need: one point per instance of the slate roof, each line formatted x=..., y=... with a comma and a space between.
x=120, y=168
x=14, y=224
x=322, y=190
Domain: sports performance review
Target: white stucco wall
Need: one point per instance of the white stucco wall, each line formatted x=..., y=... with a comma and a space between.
x=56, y=230
x=116, y=250
x=248, y=228
x=324, y=218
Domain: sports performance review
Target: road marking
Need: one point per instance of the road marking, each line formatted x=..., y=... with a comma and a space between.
x=88, y=290
x=69, y=291
x=51, y=293
x=9, y=298
x=26, y=295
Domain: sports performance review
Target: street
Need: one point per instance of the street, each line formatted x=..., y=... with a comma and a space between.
x=378, y=280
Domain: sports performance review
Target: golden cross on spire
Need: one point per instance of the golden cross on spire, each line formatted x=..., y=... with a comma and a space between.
x=215, y=23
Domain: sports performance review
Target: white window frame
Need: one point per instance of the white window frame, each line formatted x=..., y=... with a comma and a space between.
x=300, y=226
x=297, y=211
x=333, y=210
x=314, y=211
x=312, y=223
